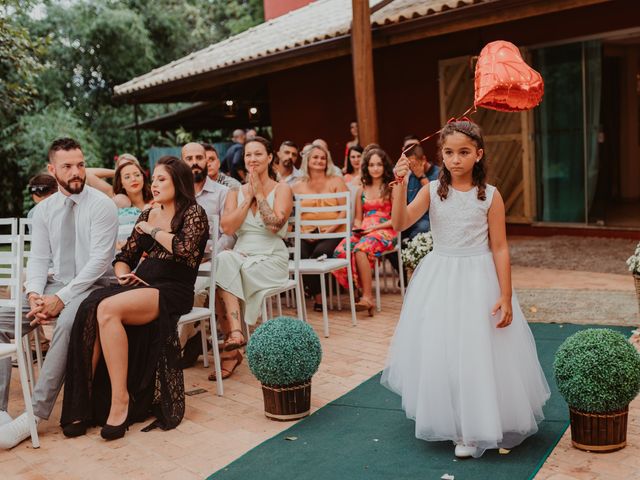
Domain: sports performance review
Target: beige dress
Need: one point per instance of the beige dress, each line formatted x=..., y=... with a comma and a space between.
x=258, y=262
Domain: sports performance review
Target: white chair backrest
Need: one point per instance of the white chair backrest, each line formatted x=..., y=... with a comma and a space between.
x=290, y=241
x=26, y=225
x=214, y=226
x=11, y=268
x=342, y=209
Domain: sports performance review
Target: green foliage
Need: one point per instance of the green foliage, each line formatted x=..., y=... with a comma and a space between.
x=20, y=54
x=597, y=371
x=37, y=131
x=58, y=69
x=284, y=351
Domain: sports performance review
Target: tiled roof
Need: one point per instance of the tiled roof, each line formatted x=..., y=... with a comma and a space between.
x=318, y=21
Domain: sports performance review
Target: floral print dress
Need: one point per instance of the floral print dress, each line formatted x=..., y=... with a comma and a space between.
x=374, y=244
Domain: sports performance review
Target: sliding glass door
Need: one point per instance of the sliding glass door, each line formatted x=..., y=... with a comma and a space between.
x=566, y=131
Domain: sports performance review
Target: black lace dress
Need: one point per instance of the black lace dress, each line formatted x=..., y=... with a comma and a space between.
x=154, y=379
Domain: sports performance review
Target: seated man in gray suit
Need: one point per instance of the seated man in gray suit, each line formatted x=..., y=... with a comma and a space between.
x=75, y=229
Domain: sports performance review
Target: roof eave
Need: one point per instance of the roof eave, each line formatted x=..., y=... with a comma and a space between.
x=450, y=21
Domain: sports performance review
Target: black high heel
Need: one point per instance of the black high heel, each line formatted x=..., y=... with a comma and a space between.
x=76, y=429
x=113, y=432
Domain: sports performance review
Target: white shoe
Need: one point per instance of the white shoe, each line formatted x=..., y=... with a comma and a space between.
x=15, y=431
x=4, y=417
x=463, y=451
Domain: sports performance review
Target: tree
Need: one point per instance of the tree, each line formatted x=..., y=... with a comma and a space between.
x=20, y=65
x=58, y=70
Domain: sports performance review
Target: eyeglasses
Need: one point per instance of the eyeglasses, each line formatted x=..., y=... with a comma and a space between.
x=40, y=190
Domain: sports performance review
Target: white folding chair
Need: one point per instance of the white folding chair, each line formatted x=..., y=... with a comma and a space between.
x=202, y=314
x=11, y=267
x=379, y=263
x=311, y=266
x=292, y=285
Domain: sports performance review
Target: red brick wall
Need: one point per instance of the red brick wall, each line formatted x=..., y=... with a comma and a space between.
x=275, y=8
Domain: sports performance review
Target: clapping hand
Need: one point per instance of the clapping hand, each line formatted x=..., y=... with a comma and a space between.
x=417, y=167
x=256, y=184
x=504, y=305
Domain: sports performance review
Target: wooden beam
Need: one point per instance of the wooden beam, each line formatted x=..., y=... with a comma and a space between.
x=363, y=84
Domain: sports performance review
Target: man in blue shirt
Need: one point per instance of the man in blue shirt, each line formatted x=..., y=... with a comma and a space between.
x=422, y=172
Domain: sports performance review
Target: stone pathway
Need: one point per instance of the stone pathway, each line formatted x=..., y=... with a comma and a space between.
x=601, y=307
x=217, y=430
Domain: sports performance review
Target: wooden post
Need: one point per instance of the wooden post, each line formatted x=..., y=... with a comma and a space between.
x=362, y=58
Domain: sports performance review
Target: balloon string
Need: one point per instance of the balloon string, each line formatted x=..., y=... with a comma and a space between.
x=470, y=111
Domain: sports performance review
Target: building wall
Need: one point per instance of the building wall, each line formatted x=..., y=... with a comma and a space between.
x=275, y=8
x=318, y=101
x=314, y=101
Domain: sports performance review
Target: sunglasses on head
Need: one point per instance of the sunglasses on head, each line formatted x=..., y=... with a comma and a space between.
x=40, y=189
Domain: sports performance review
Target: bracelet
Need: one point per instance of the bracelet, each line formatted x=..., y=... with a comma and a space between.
x=396, y=181
x=154, y=232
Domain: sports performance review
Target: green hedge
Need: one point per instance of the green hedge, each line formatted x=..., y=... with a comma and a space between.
x=597, y=371
x=284, y=351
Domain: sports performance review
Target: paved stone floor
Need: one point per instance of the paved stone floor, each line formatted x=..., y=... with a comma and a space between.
x=216, y=430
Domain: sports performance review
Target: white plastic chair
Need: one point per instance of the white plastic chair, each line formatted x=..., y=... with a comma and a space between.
x=311, y=266
x=202, y=314
x=292, y=285
x=11, y=268
x=379, y=263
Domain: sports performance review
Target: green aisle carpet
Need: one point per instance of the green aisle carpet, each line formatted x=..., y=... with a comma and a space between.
x=365, y=435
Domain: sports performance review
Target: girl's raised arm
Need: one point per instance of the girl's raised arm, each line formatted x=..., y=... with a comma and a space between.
x=403, y=215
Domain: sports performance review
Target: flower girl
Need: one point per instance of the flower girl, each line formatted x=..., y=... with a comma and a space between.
x=463, y=357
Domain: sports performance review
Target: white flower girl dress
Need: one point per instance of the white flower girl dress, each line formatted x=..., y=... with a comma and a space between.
x=461, y=378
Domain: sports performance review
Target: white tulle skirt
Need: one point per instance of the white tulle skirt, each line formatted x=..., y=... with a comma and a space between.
x=461, y=378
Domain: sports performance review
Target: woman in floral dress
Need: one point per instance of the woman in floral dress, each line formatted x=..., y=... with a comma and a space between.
x=372, y=231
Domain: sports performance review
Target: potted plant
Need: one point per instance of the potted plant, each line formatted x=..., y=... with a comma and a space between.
x=283, y=354
x=415, y=250
x=598, y=373
x=634, y=267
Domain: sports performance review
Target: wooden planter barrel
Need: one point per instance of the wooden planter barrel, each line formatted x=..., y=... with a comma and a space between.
x=287, y=403
x=599, y=432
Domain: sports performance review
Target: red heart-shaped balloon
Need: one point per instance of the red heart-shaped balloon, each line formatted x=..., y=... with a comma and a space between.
x=504, y=81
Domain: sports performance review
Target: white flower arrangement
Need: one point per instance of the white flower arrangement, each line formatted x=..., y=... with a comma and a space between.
x=416, y=249
x=634, y=261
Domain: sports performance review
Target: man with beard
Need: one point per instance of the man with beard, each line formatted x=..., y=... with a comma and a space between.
x=75, y=229
x=285, y=162
x=211, y=196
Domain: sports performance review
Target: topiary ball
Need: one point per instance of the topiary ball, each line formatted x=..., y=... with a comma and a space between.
x=284, y=351
x=597, y=371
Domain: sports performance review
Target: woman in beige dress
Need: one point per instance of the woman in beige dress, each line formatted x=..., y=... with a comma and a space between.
x=257, y=213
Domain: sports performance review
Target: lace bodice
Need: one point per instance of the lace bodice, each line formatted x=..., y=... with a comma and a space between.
x=188, y=243
x=461, y=219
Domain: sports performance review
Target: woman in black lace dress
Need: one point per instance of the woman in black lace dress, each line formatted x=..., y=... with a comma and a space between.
x=124, y=350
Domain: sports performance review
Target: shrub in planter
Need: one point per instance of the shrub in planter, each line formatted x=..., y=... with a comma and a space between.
x=598, y=374
x=283, y=354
